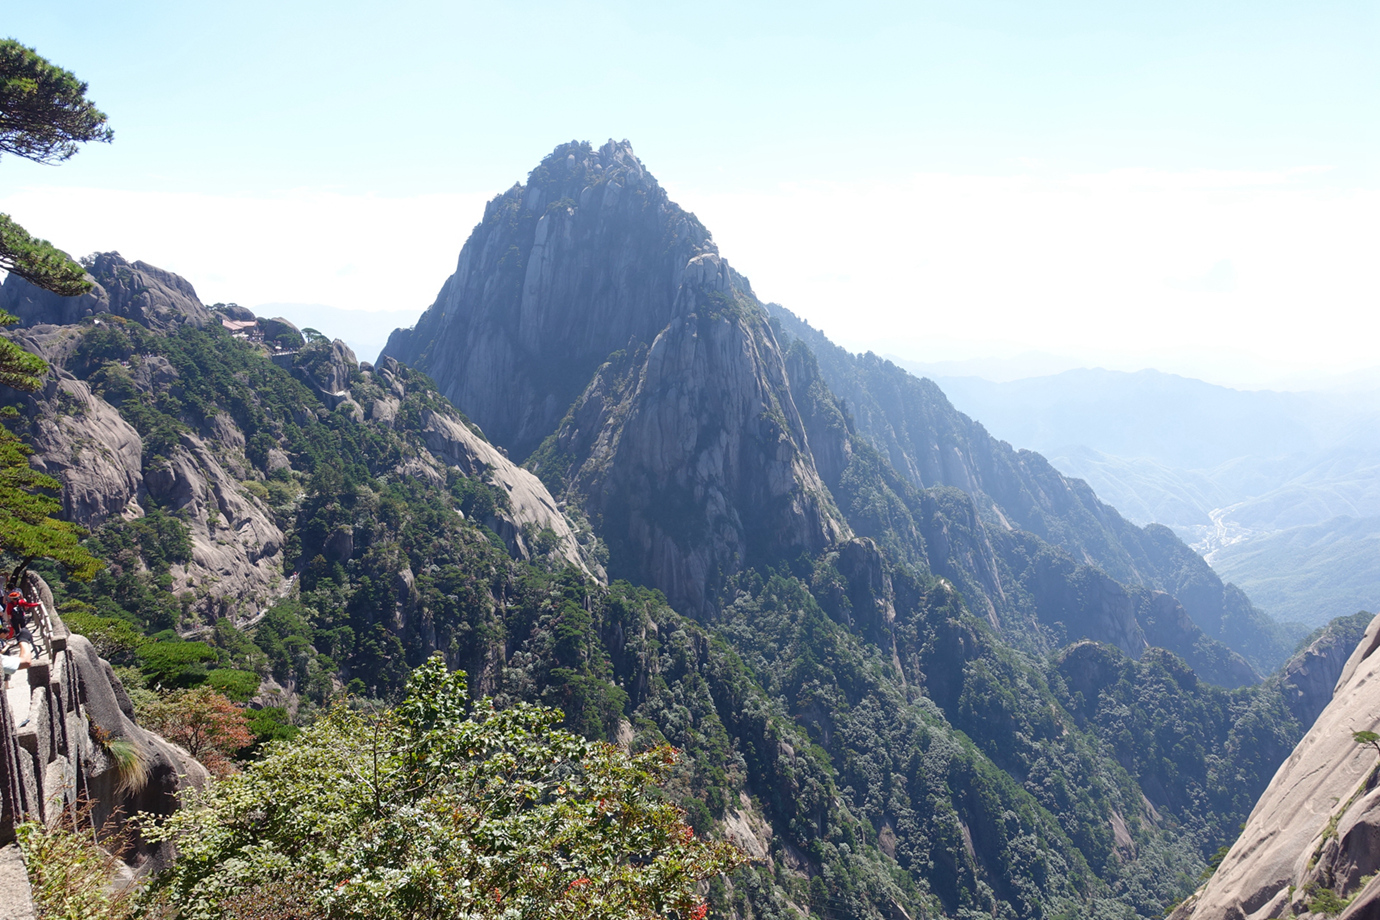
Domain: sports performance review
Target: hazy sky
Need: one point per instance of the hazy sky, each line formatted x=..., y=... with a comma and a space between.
x=1189, y=185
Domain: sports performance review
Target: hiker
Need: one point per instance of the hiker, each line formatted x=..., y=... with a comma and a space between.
x=18, y=641
x=15, y=620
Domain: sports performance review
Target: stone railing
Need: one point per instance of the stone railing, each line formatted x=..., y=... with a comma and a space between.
x=68, y=738
x=42, y=730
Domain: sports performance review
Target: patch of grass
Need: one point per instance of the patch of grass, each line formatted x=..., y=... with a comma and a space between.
x=70, y=873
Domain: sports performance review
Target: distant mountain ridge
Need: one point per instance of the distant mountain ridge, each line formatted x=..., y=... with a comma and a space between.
x=1251, y=478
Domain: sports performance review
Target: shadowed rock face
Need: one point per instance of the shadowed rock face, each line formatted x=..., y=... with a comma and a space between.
x=587, y=258
x=133, y=290
x=692, y=457
x=1308, y=679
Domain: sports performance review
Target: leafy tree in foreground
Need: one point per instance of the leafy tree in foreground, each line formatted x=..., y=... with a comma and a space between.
x=433, y=811
x=44, y=115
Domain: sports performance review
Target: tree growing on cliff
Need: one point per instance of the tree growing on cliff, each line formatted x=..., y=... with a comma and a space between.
x=44, y=116
x=438, y=809
x=29, y=526
x=29, y=529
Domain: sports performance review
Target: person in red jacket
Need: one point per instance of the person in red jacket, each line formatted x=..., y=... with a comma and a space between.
x=15, y=630
x=15, y=619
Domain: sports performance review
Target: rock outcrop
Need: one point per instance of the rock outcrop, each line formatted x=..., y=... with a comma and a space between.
x=1312, y=844
x=83, y=442
x=137, y=291
x=67, y=731
x=450, y=442
x=1308, y=679
x=692, y=457
x=587, y=294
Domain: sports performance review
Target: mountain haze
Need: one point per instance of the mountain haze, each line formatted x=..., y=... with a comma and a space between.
x=1279, y=490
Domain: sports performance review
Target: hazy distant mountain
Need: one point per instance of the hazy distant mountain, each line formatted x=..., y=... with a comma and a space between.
x=1233, y=472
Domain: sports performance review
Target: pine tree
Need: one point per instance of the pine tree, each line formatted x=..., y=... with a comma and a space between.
x=44, y=116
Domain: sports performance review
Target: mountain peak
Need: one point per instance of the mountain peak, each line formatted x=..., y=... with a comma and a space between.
x=589, y=257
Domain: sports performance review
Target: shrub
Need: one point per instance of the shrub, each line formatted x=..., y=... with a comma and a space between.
x=440, y=809
x=237, y=685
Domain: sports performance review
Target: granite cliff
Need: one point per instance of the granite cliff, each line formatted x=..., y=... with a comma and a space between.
x=196, y=457
x=1309, y=848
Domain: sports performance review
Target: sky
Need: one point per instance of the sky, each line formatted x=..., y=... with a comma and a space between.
x=1190, y=186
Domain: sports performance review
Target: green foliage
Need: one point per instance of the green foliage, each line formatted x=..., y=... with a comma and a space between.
x=174, y=663
x=39, y=262
x=19, y=369
x=236, y=685
x=115, y=639
x=1367, y=738
x=29, y=526
x=444, y=809
x=270, y=724
x=44, y=112
x=44, y=115
x=1326, y=901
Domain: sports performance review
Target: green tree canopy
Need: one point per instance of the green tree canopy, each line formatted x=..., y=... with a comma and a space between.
x=39, y=262
x=44, y=112
x=28, y=528
x=44, y=116
x=440, y=810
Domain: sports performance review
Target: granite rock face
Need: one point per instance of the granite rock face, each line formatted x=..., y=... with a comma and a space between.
x=171, y=770
x=588, y=305
x=90, y=449
x=205, y=477
x=450, y=442
x=587, y=258
x=137, y=291
x=1317, y=825
x=692, y=457
x=1308, y=679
